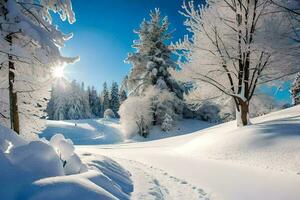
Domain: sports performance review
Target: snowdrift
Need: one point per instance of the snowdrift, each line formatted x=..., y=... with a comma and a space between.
x=260, y=161
x=51, y=170
x=85, y=132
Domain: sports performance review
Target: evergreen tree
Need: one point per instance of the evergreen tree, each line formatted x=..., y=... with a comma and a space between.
x=114, y=98
x=296, y=90
x=167, y=123
x=77, y=103
x=152, y=60
x=68, y=101
x=105, y=98
x=94, y=102
x=150, y=78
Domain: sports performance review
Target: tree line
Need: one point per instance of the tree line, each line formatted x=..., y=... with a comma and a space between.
x=72, y=101
x=234, y=48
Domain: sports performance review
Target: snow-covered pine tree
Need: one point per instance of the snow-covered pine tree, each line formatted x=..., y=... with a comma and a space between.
x=94, y=102
x=105, y=98
x=30, y=46
x=153, y=58
x=114, y=98
x=68, y=101
x=77, y=103
x=150, y=79
x=167, y=123
x=295, y=90
x=60, y=90
x=74, y=104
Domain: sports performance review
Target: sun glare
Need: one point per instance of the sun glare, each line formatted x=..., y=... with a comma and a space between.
x=58, y=72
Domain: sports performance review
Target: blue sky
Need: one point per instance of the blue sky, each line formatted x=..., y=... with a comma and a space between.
x=103, y=35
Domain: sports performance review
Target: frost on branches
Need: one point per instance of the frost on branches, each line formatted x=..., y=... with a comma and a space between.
x=69, y=101
x=296, y=90
x=167, y=123
x=109, y=114
x=30, y=46
x=152, y=61
x=237, y=46
x=150, y=79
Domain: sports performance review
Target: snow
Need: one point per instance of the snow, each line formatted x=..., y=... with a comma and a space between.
x=260, y=161
x=85, y=132
x=52, y=170
x=194, y=160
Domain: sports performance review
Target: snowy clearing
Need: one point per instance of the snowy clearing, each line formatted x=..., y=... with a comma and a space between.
x=260, y=161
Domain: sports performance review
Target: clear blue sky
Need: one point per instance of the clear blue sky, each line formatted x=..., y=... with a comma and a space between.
x=103, y=35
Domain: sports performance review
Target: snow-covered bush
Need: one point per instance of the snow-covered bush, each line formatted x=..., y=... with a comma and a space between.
x=109, y=114
x=34, y=170
x=165, y=102
x=38, y=157
x=167, y=123
x=65, y=150
x=134, y=112
x=148, y=110
x=208, y=112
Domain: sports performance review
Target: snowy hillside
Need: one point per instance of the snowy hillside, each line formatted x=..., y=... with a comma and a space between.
x=261, y=161
x=109, y=131
x=90, y=131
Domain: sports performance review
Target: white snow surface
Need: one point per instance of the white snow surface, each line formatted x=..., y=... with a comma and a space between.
x=260, y=161
x=34, y=170
x=195, y=160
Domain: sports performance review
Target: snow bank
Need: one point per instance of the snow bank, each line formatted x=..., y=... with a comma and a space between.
x=272, y=142
x=260, y=161
x=53, y=170
x=85, y=132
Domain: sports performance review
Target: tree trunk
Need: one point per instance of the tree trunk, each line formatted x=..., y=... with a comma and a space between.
x=243, y=113
x=13, y=97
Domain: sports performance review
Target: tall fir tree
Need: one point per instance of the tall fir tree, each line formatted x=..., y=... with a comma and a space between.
x=94, y=102
x=68, y=101
x=153, y=58
x=105, y=98
x=114, y=98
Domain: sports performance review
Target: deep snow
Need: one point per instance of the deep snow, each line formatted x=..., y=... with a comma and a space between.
x=261, y=161
x=200, y=161
x=42, y=170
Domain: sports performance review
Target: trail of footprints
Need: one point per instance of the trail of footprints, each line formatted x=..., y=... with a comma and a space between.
x=163, y=186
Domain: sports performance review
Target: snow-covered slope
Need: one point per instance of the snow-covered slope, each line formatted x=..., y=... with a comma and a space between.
x=85, y=132
x=42, y=170
x=261, y=161
x=109, y=131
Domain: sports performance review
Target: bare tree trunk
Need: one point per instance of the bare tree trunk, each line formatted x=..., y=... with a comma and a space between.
x=243, y=116
x=13, y=97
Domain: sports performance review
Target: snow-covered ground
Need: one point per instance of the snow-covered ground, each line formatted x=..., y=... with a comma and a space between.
x=42, y=170
x=109, y=131
x=261, y=161
x=200, y=161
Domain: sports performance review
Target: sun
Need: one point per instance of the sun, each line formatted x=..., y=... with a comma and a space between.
x=58, y=72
